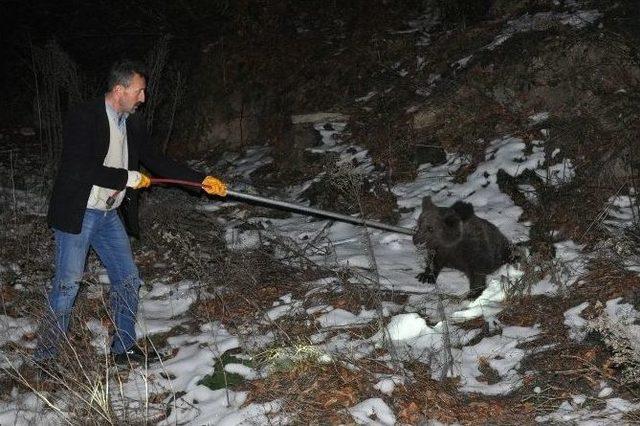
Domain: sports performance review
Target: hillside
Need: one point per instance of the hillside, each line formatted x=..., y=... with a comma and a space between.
x=527, y=110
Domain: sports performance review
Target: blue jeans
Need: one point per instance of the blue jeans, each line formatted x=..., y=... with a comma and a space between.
x=104, y=232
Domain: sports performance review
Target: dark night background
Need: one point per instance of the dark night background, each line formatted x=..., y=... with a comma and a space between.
x=229, y=74
x=231, y=55
x=224, y=75
x=94, y=34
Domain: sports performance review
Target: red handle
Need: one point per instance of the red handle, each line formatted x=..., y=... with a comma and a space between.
x=176, y=181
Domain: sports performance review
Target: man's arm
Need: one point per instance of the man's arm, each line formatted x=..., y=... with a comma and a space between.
x=166, y=167
x=82, y=155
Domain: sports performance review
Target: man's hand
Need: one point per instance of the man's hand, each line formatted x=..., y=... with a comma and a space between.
x=214, y=186
x=144, y=182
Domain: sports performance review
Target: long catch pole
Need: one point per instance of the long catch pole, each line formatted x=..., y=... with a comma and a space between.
x=282, y=205
x=317, y=212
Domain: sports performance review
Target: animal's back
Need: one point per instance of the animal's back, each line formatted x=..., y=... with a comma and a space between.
x=488, y=248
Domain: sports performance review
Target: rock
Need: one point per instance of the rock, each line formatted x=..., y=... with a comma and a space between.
x=425, y=118
x=305, y=136
x=430, y=151
x=319, y=117
x=231, y=133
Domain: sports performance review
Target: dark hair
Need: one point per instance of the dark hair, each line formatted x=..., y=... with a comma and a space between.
x=122, y=72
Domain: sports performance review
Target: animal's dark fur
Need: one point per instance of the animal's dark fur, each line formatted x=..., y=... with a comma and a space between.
x=454, y=237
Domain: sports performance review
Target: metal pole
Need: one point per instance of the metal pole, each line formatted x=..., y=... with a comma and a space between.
x=317, y=212
x=296, y=208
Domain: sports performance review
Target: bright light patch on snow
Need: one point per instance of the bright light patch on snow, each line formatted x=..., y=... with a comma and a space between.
x=489, y=302
x=213, y=335
x=241, y=369
x=220, y=407
x=285, y=307
x=406, y=326
x=373, y=411
x=558, y=174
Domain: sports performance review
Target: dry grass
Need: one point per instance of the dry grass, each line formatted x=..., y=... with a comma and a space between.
x=314, y=393
x=426, y=398
x=607, y=279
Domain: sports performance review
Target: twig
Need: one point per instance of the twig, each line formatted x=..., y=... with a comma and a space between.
x=174, y=107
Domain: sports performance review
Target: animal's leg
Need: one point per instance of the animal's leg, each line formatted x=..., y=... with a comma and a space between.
x=477, y=284
x=427, y=276
x=431, y=271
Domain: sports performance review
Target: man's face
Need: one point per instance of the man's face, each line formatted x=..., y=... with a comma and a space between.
x=133, y=95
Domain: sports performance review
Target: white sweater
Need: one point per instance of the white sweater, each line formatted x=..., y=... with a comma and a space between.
x=117, y=157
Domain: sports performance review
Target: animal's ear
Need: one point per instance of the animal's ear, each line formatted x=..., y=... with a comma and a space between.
x=464, y=210
x=427, y=204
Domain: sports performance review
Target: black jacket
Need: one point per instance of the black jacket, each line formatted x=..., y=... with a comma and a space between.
x=85, y=145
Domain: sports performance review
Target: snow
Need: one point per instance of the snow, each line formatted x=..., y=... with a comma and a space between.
x=502, y=354
x=387, y=384
x=539, y=117
x=285, y=307
x=577, y=324
x=246, y=372
x=13, y=329
x=565, y=270
x=26, y=408
x=544, y=20
x=374, y=412
x=163, y=308
x=340, y=318
x=612, y=414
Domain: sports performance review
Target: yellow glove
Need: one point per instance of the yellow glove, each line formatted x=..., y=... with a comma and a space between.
x=145, y=182
x=214, y=186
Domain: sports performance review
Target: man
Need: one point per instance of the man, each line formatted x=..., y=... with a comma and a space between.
x=104, y=143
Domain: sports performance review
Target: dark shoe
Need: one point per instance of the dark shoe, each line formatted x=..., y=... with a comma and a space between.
x=135, y=355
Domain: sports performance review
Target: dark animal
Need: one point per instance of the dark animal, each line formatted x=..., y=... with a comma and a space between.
x=454, y=237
